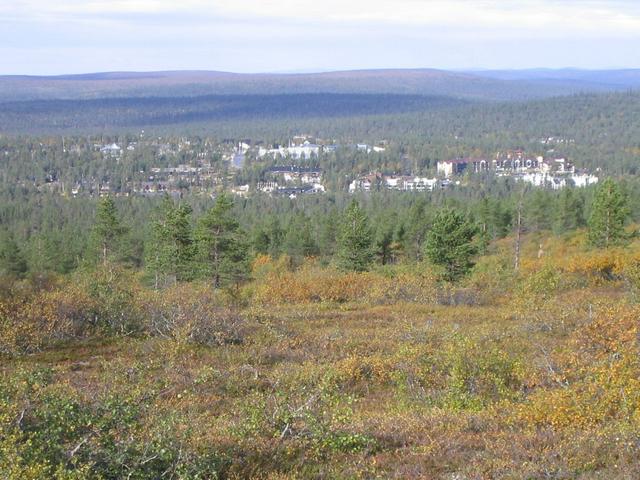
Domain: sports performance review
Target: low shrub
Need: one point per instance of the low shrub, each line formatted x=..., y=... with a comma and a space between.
x=314, y=284
x=192, y=313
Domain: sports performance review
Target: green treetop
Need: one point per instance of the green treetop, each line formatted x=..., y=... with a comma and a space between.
x=222, y=246
x=450, y=243
x=108, y=231
x=569, y=212
x=608, y=215
x=355, y=240
x=12, y=261
x=170, y=247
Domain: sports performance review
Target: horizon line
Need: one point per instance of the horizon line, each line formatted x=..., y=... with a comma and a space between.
x=293, y=72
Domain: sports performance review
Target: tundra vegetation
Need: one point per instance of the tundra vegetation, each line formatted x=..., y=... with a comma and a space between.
x=221, y=356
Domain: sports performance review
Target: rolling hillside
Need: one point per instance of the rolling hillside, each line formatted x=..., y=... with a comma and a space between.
x=476, y=85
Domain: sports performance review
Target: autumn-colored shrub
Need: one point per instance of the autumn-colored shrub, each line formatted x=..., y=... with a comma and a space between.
x=50, y=432
x=312, y=284
x=29, y=321
x=630, y=272
x=194, y=314
x=101, y=302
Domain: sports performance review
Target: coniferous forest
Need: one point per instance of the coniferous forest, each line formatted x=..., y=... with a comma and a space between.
x=167, y=312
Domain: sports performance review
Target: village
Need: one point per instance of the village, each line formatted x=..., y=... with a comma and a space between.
x=244, y=167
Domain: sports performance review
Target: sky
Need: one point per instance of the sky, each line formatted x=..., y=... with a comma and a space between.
x=51, y=37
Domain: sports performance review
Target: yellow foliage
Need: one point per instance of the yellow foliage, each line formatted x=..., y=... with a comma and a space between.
x=314, y=284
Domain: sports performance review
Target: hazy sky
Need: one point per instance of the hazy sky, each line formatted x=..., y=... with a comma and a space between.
x=73, y=36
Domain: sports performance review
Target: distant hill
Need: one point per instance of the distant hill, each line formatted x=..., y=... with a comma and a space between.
x=588, y=80
x=29, y=116
x=486, y=85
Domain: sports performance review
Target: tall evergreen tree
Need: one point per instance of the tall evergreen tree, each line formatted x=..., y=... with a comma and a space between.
x=182, y=243
x=156, y=250
x=355, y=241
x=169, y=250
x=609, y=213
x=299, y=240
x=12, y=261
x=267, y=239
x=328, y=233
x=484, y=224
x=108, y=231
x=450, y=243
x=569, y=212
x=538, y=215
x=502, y=218
x=222, y=246
x=384, y=244
x=415, y=232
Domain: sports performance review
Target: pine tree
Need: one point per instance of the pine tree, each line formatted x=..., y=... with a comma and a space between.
x=328, y=233
x=484, y=224
x=569, y=212
x=169, y=250
x=182, y=244
x=355, y=240
x=538, y=213
x=12, y=261
x=450, y=243
x=416, y=230
x=222, y=248
x=384, y=245
x=107, y=232
x=400, y=241
x=298, y=241
x=609, y=213
x=502, y=218
x=276, y=236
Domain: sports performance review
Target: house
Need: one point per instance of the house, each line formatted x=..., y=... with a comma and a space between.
x=583, y=180
x=421, y=184
x=404, y=183
x=241, y=191
x=448, y=168
x=112, y=150
x=291, y=173
x=366, y=183
x=306, y=150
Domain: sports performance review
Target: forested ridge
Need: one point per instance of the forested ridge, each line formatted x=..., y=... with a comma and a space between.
x=494, y=86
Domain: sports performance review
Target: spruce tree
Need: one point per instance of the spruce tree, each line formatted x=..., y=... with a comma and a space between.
x=384, y=245
x=502, y=219
x=299, y=240
x=108, y=231
x=450, y=244
x=276, y=236
x=484, y=224
x=181, y=239
x=222, y=247
x=569, y=212
x=169, y=250
x=415, y=232
x=609, y=213
x=12, y=261
x=355, y=240
x=538, y=213
x=328, y=231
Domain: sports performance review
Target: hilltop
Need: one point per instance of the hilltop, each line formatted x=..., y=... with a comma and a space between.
x=467, y=85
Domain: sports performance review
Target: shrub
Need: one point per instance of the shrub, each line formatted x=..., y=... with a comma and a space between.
x=192, y=314
x=49, y=431
x=313, y=284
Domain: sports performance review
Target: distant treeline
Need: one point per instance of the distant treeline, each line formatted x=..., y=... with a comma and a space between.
x=84, y=115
